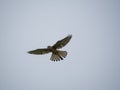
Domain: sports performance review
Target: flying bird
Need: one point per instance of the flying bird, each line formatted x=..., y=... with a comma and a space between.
x=57, y=55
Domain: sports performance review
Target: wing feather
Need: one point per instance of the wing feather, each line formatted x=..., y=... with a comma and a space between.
x=39, y=51
x=61, y=43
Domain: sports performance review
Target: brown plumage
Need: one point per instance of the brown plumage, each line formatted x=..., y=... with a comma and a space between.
x=57, y=55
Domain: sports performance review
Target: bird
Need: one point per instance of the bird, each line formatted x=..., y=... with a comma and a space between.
x=57, y=54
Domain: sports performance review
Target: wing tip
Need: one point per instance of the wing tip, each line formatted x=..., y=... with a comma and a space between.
x=70, y=35
x=29, y=52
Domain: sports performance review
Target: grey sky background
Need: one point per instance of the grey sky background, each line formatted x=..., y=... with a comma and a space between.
x=93, y=61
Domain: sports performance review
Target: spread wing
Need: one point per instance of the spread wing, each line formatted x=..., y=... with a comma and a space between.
x=39, y=51
x=61, y=43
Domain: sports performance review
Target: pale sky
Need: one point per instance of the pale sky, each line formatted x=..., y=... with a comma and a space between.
x=93, y=60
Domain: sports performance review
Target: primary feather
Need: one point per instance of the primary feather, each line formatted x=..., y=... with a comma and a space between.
x=39, y=51
x=61, y=43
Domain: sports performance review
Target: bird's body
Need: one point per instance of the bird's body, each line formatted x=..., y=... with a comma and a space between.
x=57, y=55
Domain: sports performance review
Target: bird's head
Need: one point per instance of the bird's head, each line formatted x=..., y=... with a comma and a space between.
x=49, y=47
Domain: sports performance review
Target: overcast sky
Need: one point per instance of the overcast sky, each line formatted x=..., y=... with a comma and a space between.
x=93, y=60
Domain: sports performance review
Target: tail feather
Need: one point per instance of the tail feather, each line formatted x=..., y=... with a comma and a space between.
x=59, y=56
x=55, y=57
x=63, y=53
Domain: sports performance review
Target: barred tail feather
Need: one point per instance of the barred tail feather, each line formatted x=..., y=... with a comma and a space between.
x=59, y=56
x=62, y=53
x=54, y=57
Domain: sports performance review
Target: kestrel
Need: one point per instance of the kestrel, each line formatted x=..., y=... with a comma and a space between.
x=57, y=55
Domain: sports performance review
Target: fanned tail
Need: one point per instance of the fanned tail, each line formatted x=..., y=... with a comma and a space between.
x=59, y=56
